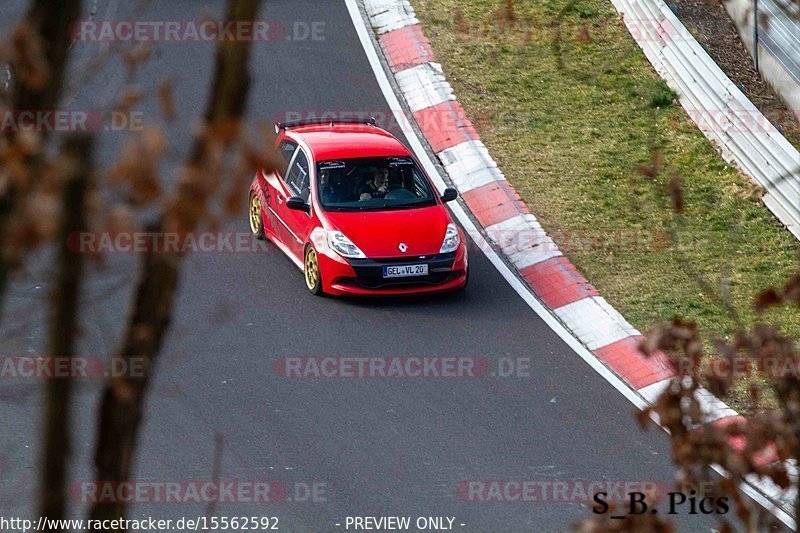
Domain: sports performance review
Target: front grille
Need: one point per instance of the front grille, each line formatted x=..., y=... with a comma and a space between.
x=417, y=281
x=369, y=272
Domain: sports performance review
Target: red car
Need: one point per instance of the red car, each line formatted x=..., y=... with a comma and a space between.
x=355, y=211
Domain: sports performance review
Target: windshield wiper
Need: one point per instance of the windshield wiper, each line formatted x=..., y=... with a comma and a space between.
x=383, y=207
x=426, y=203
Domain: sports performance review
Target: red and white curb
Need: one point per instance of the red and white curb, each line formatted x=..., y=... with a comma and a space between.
x=504, y=220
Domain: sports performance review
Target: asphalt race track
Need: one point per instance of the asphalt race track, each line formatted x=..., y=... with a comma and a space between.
x=374, y=446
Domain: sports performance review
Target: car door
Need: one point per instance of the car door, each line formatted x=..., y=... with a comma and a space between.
x=298, y=224
x=274, y=190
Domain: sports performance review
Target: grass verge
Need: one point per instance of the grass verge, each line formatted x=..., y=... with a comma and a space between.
x=573, y=113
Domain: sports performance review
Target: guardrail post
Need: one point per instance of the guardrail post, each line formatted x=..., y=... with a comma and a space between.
x=755, y=32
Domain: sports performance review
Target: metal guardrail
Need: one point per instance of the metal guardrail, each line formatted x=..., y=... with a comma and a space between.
x=722, y=112
x=780, y=36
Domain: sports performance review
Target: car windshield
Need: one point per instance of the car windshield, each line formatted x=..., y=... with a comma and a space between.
x=371, y=184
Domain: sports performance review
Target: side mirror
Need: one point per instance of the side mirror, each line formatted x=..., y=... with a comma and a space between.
x=298, y=204
x=449, y=195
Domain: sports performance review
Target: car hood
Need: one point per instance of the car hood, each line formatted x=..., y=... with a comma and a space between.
x=379, y=233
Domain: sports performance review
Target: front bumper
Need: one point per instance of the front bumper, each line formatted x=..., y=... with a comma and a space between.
x=364, y=277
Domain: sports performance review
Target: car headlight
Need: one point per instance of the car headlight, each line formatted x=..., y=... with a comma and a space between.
x=451, y=239
x=343, y=246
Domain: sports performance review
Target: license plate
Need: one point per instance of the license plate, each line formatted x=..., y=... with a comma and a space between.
x=403, y=271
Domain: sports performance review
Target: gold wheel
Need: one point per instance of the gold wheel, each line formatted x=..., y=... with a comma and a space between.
x=311, y=271
x=256, y=225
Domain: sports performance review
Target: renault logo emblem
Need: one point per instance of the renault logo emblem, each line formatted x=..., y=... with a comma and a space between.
x=403, y=247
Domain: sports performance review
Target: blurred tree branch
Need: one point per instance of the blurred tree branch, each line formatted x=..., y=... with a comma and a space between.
x=39, y=48
x=76, y=164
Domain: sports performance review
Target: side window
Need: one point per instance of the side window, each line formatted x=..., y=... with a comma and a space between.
x=286, y=150
x=298, y=178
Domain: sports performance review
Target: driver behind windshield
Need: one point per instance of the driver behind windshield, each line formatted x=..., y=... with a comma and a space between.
x=377, y=187
x=330, y=192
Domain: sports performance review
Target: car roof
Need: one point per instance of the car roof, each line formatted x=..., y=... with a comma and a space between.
x=343, y=141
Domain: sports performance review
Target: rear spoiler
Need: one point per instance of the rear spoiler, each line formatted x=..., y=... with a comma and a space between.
x=308, y=121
